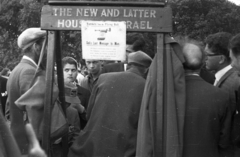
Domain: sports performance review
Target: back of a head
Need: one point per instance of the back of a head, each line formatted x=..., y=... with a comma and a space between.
x=219, y=42
x=139, y=58
x=137, y=40
x=235, y=45
x=193, y=57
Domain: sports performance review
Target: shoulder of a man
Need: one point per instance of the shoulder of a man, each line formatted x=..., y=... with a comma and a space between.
x=113, y=67
x=22, y=75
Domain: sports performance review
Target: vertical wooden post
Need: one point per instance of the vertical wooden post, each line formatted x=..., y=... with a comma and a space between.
x=61, y=86
x=49, y=89
x=160, y=96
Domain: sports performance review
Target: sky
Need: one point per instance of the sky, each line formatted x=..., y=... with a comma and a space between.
x=235, y=1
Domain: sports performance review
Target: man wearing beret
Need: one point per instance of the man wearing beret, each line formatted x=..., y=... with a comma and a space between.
x=30, y=42
x=113, y=112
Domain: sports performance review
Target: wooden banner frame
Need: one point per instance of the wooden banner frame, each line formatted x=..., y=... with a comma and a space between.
x=163, y=24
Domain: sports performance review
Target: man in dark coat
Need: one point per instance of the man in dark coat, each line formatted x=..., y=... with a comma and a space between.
x=208, y=113
x=113, y=112
x=30, y=41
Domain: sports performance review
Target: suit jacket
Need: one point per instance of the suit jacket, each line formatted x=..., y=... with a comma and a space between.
x=207, y=119
x=113, y=67
x=114, y=111
x=230, y=82
x=18, y=83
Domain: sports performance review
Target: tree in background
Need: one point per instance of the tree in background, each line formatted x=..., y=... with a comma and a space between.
x=195, y=18
x=15, y=16
x=199, y=18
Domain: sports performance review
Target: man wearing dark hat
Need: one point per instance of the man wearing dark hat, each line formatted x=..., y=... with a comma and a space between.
x=113, y=112
x=30, y=42
x=135, y=42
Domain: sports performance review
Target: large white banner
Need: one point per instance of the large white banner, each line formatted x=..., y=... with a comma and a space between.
x=103, y=40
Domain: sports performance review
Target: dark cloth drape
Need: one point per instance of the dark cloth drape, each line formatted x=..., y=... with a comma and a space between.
x=161, y=122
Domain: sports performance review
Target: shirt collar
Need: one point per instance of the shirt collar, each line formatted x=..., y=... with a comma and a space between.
x=221, y=72
x=30, y=59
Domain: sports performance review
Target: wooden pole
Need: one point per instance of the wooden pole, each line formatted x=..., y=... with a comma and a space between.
x=49, y=89
x=58, y=53
x=160, y=96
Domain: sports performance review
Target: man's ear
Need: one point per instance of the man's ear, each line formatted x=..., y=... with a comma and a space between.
x=223, y=59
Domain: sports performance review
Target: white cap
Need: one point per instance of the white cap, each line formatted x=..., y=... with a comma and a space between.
x=29, y=36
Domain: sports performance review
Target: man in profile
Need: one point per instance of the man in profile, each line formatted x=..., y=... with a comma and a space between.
x=30, y=42
x=113, y=112
x=208, y=115
x=227, y=77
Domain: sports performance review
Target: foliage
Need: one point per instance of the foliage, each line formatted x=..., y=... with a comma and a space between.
x=15, y=16
x=199, y=18
x=194, y=18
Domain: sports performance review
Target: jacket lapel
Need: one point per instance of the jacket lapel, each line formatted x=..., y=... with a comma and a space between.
x=224, y=77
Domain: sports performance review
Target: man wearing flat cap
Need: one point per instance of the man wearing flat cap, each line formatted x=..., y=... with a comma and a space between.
x=113, y=112
x=30, y=42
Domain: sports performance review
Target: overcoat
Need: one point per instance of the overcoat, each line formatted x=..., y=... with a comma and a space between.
x=113, y=117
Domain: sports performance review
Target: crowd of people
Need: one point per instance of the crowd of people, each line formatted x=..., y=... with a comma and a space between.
x=103, y=104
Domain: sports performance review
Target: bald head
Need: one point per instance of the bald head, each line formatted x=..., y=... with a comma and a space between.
x=193, y=56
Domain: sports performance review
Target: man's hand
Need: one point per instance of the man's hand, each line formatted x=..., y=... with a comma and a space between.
x=35, y=150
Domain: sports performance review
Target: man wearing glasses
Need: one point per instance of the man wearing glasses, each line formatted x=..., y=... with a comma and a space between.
x=227, y=78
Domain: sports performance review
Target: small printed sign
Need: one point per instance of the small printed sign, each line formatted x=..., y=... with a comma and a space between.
x=103, y=40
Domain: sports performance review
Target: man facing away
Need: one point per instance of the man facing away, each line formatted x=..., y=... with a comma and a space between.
x=113, y=112
x=208, y=114
x=30, y=42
